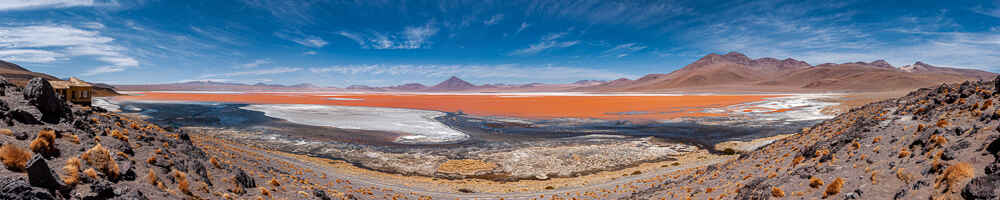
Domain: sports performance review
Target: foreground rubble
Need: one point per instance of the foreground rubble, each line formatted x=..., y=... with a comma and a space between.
x=938, y=143
x=51, y=150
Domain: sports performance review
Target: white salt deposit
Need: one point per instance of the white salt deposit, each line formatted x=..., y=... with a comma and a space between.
x=106, y=103
x=799, y=107
x=418, y=126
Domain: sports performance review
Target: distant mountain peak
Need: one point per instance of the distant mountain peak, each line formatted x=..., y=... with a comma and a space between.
x=881, y=63
x=453, y=83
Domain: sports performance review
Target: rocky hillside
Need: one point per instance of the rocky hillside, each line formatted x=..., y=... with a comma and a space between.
x=938, y=143
x=737, y=72
x=18, y=75
x=51, y=150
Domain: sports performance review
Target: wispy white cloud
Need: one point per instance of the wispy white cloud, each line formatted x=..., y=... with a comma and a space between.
x=524, y=25
x=29, y=55
x=310, y=53
x=542, y=46
x=493, y=20
x=638, y=13
x=302, y=39
x=412, y=37
x=279, y=70
x=50, y=43
x=553, y=36
x=256, y=63
x=995, y=12
x=93, y=25
x=217, y=35
x=623, y=50
x=548, y=41
x=42, y=4
x=104, y=69
x=298, y=12
x=510, y=71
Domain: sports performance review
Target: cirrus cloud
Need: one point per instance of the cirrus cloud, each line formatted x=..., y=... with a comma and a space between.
x=50, y=43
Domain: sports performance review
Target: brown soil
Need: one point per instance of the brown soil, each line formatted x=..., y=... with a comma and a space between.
x=466, y=167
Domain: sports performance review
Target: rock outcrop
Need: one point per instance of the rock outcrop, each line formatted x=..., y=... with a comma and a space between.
x=40, y=93
x=82, y=153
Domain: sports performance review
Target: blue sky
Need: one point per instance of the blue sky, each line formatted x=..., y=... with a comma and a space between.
x=384, y=42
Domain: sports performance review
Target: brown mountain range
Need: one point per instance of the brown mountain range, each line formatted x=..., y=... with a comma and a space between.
x=731, y=72
x=736, y=72
x=20, y=76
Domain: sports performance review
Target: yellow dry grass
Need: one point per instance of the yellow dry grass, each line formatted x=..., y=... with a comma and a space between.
x=14, y=157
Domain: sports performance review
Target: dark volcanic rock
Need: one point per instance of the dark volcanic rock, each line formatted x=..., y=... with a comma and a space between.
x=320, y=194
x=996, y=84
x=39, y=93
x=244, y=180
x=755, y=190
x=127, y=171
x=16, y=188
x=24, y=117
x=132, y=194
x=40, y=175
x=20, y=135
x=101, y=190
x=984, y=187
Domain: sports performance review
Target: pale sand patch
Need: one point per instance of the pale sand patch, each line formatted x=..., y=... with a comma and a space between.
x=749, y=146
x=466, y=167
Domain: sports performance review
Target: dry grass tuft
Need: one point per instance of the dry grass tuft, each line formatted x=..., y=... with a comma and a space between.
x=182, y=183
x=903, y=153
x=119, y=135
x=45, y=142
x=834, y=187
x=90, y=172
x=14, y=157
x=274, y=182
x=777, y=192
x=72, y=169
x=815, y=182
x=100, y=158
x=822, y=152
x=938, y=140
x=152, y=178
x=903, y=176
x=874, y=177
x=6, y=131
x=941, y=123
x=215, y=162
x=265, y=192
x=73, y=138
x=955, y=174
x=877, y=139
x=797, y=160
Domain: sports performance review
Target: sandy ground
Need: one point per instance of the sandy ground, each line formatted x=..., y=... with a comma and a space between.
x=366, y=184
x=852, y=100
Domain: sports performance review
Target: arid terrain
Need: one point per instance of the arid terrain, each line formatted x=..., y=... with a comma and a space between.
x=929, y=143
